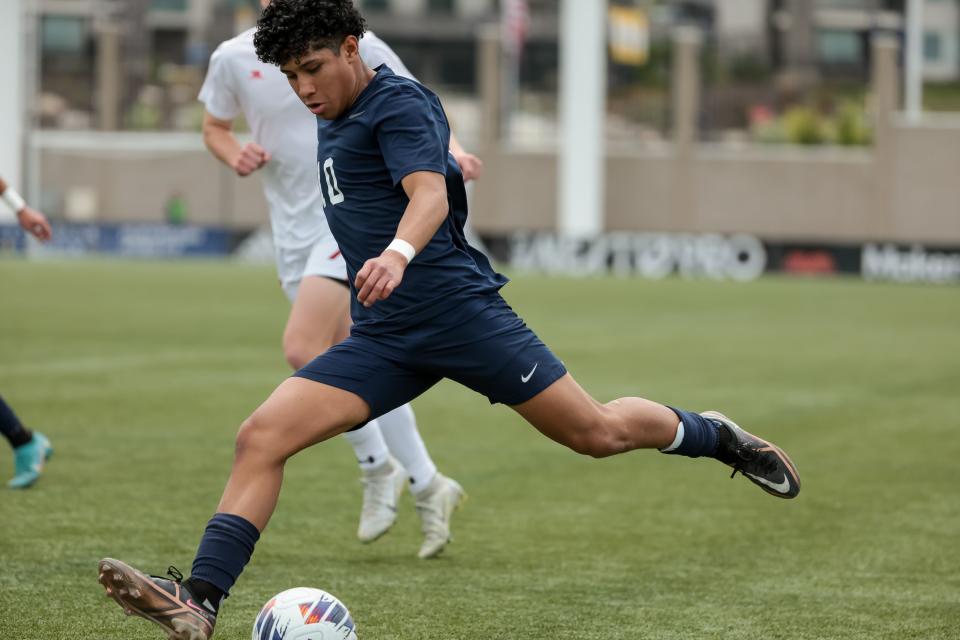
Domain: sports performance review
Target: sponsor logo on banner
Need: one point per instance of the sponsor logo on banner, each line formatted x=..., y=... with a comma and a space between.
x=131, y=240
x=809, y=262
x=916, y=264
x=650, y=255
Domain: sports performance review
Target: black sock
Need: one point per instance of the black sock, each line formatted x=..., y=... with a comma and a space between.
x=10, y=427
x=204, y=593
x=723, y=454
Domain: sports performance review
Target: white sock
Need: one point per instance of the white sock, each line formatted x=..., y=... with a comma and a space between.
x=369, y=446
x=676, y=441
x=400, y=431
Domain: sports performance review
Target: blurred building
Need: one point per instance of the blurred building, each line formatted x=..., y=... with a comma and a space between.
x=828, y=36
x=136, y=64
x=113, y=64
x=437, y=38
x=702, y=136
x=941, y=40
x=834, y=35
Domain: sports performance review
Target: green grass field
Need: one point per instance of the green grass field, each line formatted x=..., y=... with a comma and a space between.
x=141, y=372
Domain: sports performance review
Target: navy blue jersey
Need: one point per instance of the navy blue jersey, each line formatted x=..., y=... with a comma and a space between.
x=397, y=127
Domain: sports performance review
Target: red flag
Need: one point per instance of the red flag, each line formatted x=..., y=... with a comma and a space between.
x=515, y=16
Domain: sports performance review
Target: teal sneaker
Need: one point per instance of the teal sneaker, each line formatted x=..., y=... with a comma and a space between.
x=29, y=460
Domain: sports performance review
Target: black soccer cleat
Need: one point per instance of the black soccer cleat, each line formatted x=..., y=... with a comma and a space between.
x=161, y=601
x=763, y=463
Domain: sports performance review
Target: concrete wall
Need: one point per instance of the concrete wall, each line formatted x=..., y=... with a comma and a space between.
x=787, y=193
x=783, y=193
x=906, y=188
x=926, y=192
x=131, y=177
x=942, y=20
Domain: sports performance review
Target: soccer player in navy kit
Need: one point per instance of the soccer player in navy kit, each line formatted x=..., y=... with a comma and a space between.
x=425, y=306
x=311, y=270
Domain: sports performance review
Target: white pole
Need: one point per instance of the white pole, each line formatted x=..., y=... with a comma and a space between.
x=583, y=103
x=914, y=60
x=509, y=90
x=11, y=106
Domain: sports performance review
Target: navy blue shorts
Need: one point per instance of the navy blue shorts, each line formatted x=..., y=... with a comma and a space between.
x=487, y=348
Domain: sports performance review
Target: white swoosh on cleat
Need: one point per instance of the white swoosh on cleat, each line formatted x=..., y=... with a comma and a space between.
x=779, y=487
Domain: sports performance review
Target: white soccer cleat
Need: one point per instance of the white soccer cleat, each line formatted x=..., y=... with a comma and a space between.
x=381, y=491
x=436, y=505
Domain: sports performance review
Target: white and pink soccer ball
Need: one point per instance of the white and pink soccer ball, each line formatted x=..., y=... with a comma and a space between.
x=304, y=614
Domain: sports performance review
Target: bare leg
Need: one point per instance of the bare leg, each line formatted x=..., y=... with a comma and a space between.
x=298, y=414
x=564, y=412
x=567, y=414
x=319, y=319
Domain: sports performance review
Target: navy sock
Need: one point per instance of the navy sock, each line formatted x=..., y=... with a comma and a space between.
x=700, y=436
x=11, y=428
x=224, y=551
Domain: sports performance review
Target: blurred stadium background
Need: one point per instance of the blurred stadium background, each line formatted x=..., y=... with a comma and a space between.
x=713, y=138
x=682, y=143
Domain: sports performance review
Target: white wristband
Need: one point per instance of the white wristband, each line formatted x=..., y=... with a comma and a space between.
x=13, y=200
x=404, y=248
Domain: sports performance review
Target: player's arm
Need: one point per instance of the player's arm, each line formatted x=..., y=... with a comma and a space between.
x=427, y=210
x=30, y=220
x=222, y=143
x=470, y=165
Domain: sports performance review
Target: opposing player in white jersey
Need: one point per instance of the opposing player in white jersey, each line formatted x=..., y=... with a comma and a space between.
x=312, y=272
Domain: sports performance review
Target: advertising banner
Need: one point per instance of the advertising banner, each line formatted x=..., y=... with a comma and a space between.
x=129, y=240
x=735, y=257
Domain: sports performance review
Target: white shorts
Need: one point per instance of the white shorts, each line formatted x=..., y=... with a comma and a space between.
x=321, y=259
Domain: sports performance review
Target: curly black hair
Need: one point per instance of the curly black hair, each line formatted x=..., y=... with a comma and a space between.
x=288, y=29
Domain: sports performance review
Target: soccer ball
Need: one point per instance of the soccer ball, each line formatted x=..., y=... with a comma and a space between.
x=304, y=614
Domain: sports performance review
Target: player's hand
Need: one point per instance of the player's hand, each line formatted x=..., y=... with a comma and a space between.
x=34, y=223
x=470, y=165
x=379, y=277
x=252, y=157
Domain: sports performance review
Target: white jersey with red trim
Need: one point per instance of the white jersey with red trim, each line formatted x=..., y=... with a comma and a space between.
x=238, y=83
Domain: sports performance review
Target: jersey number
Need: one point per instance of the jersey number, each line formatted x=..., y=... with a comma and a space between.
x=326, y=174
